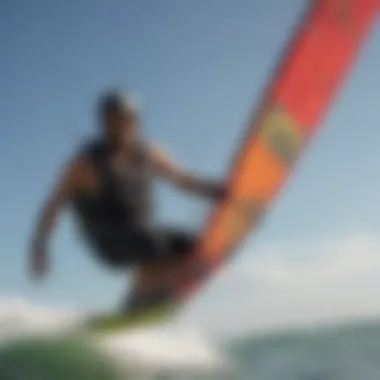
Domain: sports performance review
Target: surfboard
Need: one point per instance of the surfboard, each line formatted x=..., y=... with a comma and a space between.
x=303, y=86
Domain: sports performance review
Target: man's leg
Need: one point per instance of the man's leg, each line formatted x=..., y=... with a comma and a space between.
x=160, y=262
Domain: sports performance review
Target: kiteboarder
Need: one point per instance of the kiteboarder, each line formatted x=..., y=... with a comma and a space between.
x=108, y=184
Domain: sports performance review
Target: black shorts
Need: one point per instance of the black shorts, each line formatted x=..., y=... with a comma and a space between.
x=143, y=245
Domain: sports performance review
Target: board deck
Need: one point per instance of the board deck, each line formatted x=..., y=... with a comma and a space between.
x=104, y=323
x=308, y=77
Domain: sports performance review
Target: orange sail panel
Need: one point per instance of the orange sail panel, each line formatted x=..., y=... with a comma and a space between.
x=314, y=64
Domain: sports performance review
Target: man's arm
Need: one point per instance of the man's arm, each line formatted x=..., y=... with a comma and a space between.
x=51, y=208
x=183, y=179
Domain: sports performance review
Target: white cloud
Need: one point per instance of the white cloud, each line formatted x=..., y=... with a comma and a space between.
x=295, y=284
x=321, y=261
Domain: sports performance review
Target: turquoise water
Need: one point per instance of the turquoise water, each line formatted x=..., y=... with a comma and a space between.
x=340, y=353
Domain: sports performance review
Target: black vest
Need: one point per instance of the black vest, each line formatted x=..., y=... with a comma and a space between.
x=125, y=198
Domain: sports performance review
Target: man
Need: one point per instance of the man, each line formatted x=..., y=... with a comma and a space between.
x=109, y=184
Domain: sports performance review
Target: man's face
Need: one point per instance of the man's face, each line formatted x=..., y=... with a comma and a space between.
x=121, y=126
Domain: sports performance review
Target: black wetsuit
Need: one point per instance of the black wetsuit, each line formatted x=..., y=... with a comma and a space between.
x=116, y=221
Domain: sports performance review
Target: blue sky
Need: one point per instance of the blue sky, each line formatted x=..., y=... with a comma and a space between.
x=197, y=68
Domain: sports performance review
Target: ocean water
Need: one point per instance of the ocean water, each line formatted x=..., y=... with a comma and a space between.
x=347, y=352
x=36, y=344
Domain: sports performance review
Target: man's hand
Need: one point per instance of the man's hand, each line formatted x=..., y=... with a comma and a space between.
x=38, y=263
x=218, y=191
